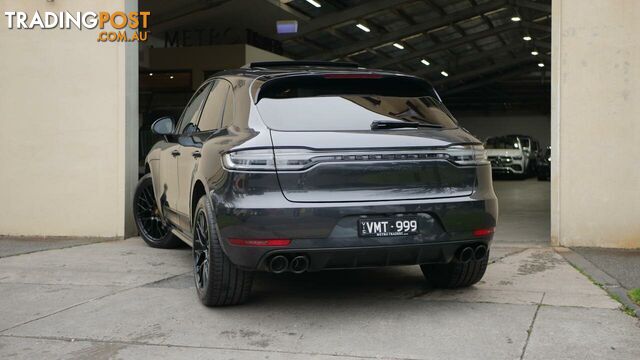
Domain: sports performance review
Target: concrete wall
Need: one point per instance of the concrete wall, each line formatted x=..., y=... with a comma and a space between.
x=68, y=120
x=595, y=123
x=200, y=59
x=483, y=127
x=252, y=53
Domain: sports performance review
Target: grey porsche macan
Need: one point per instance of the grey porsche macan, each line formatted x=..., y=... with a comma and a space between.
x=305, y=166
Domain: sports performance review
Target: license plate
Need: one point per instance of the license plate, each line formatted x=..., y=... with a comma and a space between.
x=398, y=226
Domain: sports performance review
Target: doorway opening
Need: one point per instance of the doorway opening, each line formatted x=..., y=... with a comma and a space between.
x=489, y=61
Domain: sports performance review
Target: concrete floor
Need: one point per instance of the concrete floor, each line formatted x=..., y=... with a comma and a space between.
x=622, y=265
x=19, y=245
x=524, y=212
x=122, y=299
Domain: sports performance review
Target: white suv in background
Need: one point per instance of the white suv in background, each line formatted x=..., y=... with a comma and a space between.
x=512, y=154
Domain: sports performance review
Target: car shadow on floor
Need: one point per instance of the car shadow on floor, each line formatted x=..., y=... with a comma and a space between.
x=403, y=282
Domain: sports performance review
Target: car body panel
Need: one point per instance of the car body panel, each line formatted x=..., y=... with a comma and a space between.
x=256, y=211
x=187, y=171
x=377, y=179
x=168, y=189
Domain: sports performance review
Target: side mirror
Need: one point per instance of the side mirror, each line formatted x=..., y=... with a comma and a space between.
x=163, y=126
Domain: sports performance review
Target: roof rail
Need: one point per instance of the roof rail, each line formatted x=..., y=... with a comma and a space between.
x=272, y=64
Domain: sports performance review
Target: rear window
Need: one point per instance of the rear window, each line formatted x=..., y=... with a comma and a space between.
x=337, y=102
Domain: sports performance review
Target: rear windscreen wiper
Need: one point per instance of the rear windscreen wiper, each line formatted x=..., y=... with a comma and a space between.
x=376, y=125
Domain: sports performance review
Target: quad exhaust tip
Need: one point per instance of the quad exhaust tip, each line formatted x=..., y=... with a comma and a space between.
x=299, y=264
x=278, y=264
x=480, y=252
x=466, y=254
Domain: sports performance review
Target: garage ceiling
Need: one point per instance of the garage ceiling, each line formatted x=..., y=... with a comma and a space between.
x=477, y=43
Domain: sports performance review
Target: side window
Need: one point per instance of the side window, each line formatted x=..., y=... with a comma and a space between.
x=211, y=118
x=189, y=119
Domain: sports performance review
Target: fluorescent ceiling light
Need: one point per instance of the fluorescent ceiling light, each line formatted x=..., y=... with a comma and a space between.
x=287, y=26
x=516, y=18
x=444, y=73
x=541, y=65
x=526, y=38
x=399, y=46
x=363, y=28
x=534, y=53
x=425, y=62
x=314, y=3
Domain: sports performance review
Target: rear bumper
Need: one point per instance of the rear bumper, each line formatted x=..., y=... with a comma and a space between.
x=327, y=232
x=251, y=206
x=373, y=256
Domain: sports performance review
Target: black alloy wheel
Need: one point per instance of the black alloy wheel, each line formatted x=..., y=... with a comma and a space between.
x=151, y=227
x=201, y=250
x=218, y=281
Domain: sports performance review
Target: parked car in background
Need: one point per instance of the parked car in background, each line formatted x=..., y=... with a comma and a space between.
x=531, y=149
x=513, y=155
x=306, y=166
x=544, y=164
x=506, y=155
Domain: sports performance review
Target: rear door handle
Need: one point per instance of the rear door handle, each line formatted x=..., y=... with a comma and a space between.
x=175, y=153
x=196, y=154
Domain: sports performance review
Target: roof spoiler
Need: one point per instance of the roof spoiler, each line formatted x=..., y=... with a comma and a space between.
x=329, y=64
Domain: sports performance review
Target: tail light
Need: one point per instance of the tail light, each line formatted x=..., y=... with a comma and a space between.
x=253, y=160
x=468, y=154
x=260, y=242
x=297, y=159
x=263, y=159
x=483, y=232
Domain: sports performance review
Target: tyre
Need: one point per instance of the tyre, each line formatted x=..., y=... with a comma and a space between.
x=455, y=274
x=148, y=219
x=218, y=281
